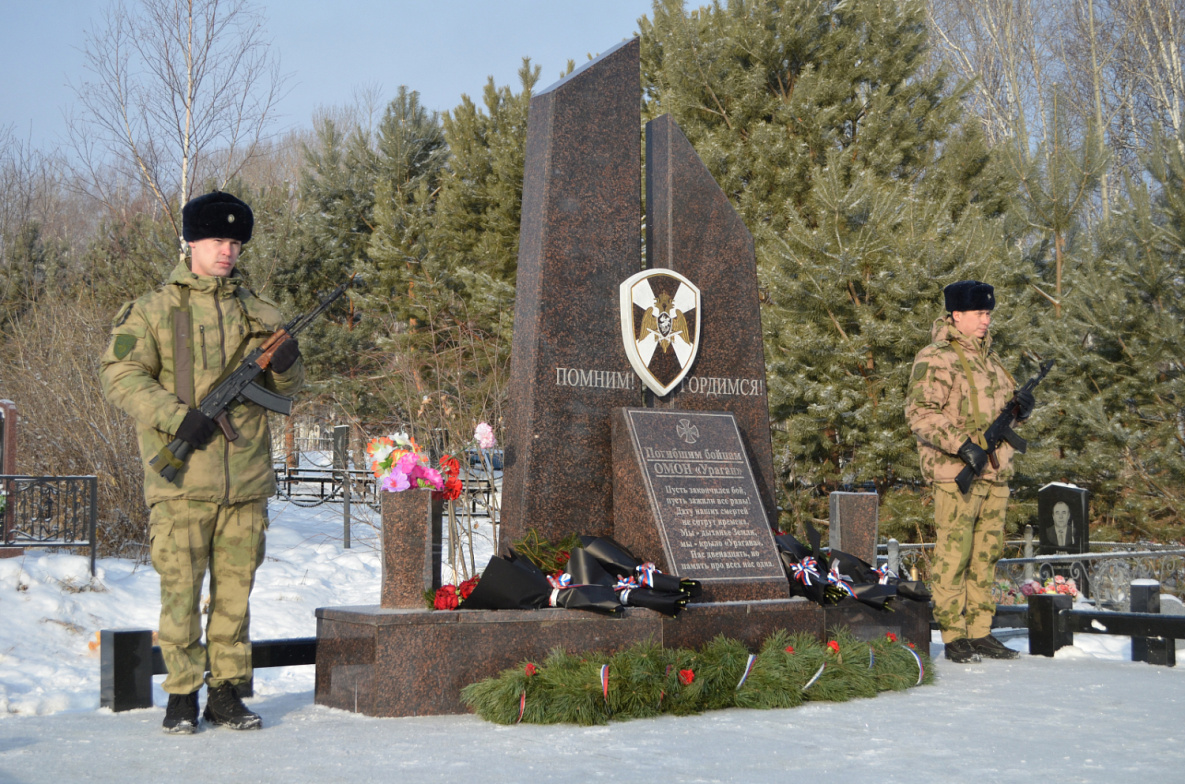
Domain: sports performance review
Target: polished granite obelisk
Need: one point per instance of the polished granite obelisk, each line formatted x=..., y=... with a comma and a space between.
x=580, y=238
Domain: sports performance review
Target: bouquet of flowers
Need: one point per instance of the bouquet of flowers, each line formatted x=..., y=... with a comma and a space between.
x=398, y=464
x=1055, y=584
x=451, y=597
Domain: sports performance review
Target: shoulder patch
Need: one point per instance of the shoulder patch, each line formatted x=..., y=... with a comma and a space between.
x=123, y=345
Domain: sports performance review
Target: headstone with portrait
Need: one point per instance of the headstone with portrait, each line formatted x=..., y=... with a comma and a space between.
x=1063, y=519
x=1063, y=525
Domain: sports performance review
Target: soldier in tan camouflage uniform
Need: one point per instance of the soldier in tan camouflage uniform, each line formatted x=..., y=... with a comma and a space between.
x=957, y=387
x=168, y=349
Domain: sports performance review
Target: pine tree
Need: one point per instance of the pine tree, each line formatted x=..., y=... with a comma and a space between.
x=1119, y=421
x=827, y=128
x=453, y=262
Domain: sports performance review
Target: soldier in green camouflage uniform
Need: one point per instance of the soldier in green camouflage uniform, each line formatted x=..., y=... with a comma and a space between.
x=169, y=348
x=957, y=387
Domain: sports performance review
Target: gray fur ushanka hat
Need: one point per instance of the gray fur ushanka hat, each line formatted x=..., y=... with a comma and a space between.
x=216, y=214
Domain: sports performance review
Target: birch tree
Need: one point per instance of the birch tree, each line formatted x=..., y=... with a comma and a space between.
x=177, y=93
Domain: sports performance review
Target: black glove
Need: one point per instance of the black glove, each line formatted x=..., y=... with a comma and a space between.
x=1024, y=403
x=285, y=356
x=196, y=428
x=973, y=455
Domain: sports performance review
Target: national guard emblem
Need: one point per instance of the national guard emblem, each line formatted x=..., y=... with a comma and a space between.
x=660, y=318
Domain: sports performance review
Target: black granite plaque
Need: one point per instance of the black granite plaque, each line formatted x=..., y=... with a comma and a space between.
x=683, y=482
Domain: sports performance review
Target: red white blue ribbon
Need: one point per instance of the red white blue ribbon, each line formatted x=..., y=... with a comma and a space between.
x=748, y=669
x=804, y=570
x=815, y=677
x=625, y=584
x=918, y=659
x=563, y=581
x=605, y=681
x=885, y=573
x=833, y=578
x=646, y=573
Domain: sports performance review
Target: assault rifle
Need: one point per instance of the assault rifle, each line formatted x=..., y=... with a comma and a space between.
x=241, y=385
x=1001, y=430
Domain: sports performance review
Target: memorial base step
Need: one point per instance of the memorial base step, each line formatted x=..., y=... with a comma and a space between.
x=399, y=662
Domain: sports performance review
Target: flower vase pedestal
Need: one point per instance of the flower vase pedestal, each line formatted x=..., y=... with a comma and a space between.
x=411, y=522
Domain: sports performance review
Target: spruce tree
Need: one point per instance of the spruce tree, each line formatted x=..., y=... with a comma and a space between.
x=1119, y=422
x=827, y=128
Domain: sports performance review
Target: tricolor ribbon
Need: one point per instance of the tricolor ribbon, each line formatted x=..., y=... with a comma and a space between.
x=646, y=573
x=625, y=584
x=834, y=579
x=563, y=581
x=918, y=659
x=605, y=682
x=748, y=669
x=815, y=677
x=803, y=571
x=885, y=573
x=555, y=592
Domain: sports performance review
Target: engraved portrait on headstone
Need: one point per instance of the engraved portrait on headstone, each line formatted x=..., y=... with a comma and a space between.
x=1063, y=518
x=1063, y=525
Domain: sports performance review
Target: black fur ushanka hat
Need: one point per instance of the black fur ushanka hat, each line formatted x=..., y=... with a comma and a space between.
x=969, y=295
x=216, y=214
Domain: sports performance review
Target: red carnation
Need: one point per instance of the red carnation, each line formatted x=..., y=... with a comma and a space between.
x=892, y=637
x=789, y=649
x=686, y=677
x=452, y=489
x=530, y=669
x=446, y=598
x=834, y=646
x=450, y=466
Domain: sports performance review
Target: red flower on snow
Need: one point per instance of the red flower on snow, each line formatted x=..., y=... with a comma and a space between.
x=686, y=677
x=530, y=669
x=834, y=646
x=446, y=598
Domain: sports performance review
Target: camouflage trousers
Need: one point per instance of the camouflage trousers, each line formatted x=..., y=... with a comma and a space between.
x=189, y=538
x=970, y=539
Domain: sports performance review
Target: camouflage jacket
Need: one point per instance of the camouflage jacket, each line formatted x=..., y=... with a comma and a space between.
x=140, y=375
x=938, y=402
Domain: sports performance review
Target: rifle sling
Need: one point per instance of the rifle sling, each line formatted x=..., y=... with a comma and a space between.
x=183, y=350
x=976, y=416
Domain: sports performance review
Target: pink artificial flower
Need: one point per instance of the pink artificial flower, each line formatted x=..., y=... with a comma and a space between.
x=431, y=476
x=396, y=482
x=1059, y=580
x=485, y=436
x=1027, y=589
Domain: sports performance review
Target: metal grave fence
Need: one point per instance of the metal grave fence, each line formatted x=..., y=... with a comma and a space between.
x=50, y=511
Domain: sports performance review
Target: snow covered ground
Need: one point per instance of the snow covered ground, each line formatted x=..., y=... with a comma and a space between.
x=1087, y=715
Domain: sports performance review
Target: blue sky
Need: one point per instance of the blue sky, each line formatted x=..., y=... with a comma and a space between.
x=442, y=48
